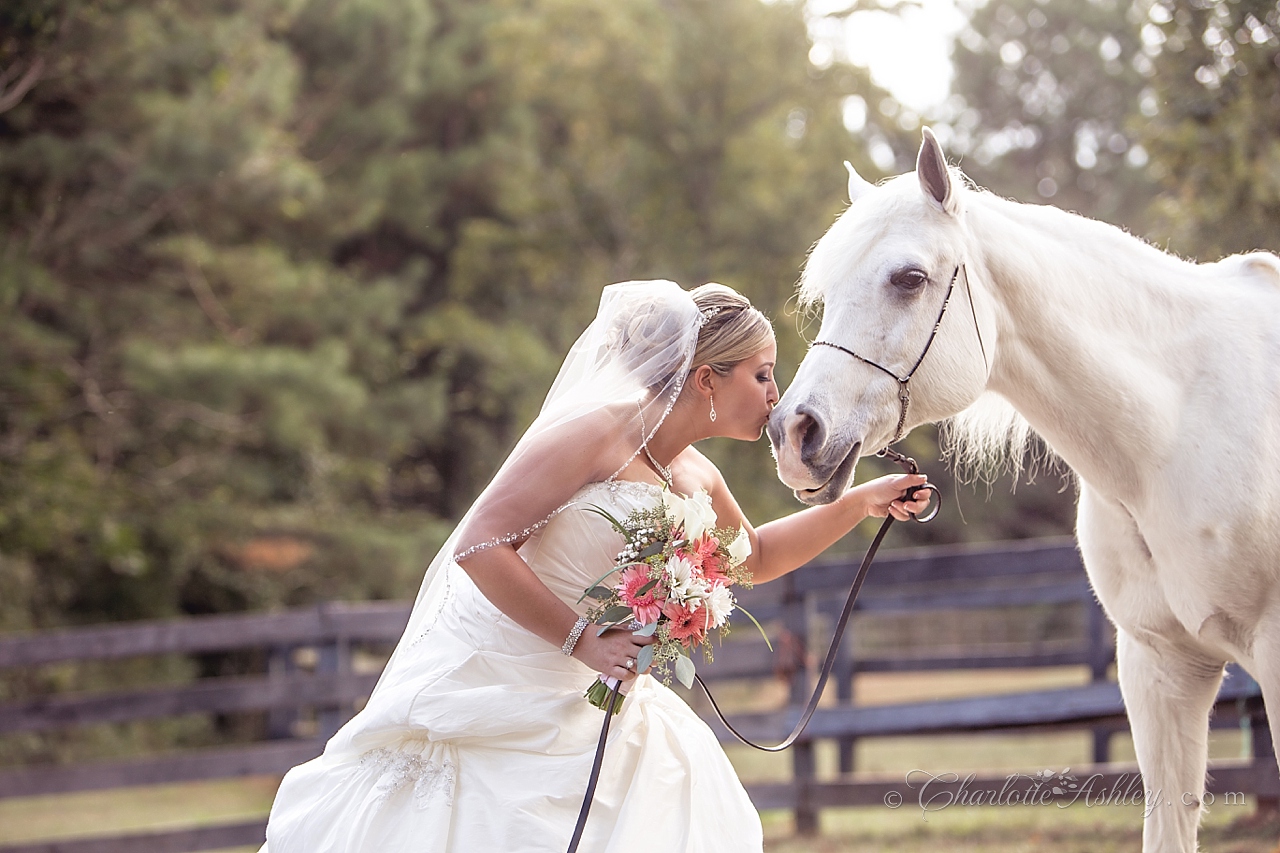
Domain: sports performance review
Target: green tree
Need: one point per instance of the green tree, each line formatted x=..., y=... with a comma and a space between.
x=1047, y=91
x=282, y=280
x=202, y=401
x=1215, y=142
x=692, y=141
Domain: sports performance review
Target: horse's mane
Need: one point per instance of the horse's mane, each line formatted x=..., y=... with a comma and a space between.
x=989, y=439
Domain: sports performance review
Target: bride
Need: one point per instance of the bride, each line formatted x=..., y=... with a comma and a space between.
x=477, y=738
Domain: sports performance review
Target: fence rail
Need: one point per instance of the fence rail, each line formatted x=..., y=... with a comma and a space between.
x=917, y=584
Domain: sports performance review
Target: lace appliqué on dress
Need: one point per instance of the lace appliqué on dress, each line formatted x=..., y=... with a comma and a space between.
x=399, y=769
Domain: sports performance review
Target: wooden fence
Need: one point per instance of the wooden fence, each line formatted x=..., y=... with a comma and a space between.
x=959, y=585
x=927, y=584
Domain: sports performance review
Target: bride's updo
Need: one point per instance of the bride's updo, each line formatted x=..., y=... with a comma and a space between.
x=643, y=331
x=733, y=331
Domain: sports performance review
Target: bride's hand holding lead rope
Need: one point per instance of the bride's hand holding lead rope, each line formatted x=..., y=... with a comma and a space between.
x=904, y=496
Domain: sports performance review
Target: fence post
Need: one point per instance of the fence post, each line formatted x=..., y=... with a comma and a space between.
x=280, y=664
x=1263, y=751
x=845, y=671
x=796, y=627
x=334, y=659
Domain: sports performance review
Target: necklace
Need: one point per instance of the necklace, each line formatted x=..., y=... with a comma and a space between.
x=644, y=443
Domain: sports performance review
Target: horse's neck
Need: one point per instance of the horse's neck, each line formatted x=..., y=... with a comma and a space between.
x=1086, y=319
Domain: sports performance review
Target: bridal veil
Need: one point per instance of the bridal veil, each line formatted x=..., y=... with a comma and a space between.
x=621, y=379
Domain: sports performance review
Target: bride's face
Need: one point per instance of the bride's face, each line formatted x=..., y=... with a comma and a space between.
x=745, y=397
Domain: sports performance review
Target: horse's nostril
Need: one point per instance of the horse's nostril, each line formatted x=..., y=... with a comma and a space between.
x=809, y=429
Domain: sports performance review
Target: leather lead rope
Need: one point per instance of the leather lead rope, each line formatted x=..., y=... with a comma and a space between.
x=595, y=772
x=909, y=466
x=833, y=650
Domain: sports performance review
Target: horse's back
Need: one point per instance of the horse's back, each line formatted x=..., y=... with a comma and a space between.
x=1259, y=268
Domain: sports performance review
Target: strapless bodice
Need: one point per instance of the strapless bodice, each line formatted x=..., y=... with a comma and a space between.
x=578, y=546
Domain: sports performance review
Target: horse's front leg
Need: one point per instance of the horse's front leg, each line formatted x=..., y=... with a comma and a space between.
x=1265, y=668
x=1168, y=693
x=1168, y=683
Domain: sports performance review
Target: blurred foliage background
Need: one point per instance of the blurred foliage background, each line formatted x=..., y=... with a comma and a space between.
x=282, y=280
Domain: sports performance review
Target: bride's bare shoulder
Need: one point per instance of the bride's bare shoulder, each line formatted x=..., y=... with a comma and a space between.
x=700, y=471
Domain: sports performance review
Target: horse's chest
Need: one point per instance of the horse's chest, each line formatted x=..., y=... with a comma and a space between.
x=1186, y=584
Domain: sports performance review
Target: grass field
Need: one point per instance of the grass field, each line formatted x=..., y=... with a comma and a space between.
x=993, y=829
x=867, y=830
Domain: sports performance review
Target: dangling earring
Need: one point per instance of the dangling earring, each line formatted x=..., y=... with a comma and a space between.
x=713, y=407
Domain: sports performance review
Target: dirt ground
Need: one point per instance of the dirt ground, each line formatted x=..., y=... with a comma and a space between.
x=1006, y=830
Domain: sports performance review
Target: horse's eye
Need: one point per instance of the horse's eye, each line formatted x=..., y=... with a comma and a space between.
x=909, y=279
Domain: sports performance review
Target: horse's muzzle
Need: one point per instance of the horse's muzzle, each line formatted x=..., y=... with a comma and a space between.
x=816, y=471
x=836, y=484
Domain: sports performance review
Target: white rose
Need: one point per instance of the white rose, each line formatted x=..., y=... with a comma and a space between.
x=719, y=604
x=674, y=505
x=740, y=547
x=699, y=517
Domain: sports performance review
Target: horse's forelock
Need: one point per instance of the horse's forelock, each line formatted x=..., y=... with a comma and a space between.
x=853, y=235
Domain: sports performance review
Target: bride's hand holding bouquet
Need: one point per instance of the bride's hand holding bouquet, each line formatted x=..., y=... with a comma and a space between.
x=668, y=591
x=609, y=652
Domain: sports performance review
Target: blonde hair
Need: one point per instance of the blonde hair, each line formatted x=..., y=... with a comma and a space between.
x=733, y=331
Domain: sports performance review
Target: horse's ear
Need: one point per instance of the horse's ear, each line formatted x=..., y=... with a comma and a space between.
x=931, y=169
x=858, y=185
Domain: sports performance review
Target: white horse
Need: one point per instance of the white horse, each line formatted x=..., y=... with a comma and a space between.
x=1156, y=379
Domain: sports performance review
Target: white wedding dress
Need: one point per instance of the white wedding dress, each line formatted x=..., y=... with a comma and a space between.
x=491, y=742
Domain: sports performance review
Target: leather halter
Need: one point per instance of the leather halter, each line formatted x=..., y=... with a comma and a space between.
x=904, y=386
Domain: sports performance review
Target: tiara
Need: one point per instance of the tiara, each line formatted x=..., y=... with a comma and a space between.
x=710, y=312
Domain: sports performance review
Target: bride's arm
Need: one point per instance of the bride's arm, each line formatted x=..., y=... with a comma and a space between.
x=538, y=480
x=786, y=544
x=513, y=587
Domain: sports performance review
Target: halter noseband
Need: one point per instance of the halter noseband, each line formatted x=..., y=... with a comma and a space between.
x=904, y=388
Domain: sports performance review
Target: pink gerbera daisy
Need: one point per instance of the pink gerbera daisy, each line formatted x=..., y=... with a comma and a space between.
x=647, y=607
x=688, y=624
x=702, y=553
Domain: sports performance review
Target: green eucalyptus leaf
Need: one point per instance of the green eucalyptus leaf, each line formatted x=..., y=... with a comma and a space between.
x=685, y=670
x=651, y=549
x=646, y=631
x=616, y=614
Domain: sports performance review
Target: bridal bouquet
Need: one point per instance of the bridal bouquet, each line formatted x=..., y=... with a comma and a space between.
x=672, y=582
